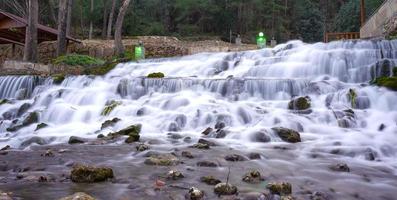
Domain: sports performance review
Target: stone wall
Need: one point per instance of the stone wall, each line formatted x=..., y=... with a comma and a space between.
x=382, y=23
x=13, y=67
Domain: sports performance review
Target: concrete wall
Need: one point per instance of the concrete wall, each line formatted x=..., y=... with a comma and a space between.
x=382, y=23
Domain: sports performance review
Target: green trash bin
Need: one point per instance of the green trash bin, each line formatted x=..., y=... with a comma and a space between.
x=261, y=40
x=139, y=52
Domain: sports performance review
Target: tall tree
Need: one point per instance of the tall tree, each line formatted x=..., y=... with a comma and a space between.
x=91, y=19
x=62, y=23
x=110, y=20
x=105, y=17
x=118, y=43
x=30, y=50
x=69, y=18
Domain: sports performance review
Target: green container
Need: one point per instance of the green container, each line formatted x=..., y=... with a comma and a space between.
x=139, y=52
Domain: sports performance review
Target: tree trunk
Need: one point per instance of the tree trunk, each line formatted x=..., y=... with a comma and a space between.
x=30, y=50
x=69, y=18
x=105, y=17
x=110, y=20
x=118, y=43
x=62, y=15
x=91, y=23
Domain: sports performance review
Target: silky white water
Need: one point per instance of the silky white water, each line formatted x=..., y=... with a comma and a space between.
x=248, y=91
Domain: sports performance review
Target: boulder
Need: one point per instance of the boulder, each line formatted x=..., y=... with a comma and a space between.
x=162, y=160
x=299, y=103
x=235, y=158
x=287, y=135
x=109, y=123
x=206, y=163
x=77, y=140
x=142, y=147
x=78, y=196
x=34, y=140
x=210, y=180
x=187, y=154
x=207, y=131
x=195, y=194
x=90, y=174
x=283, y=188
x=253, y=176
x=225, y=189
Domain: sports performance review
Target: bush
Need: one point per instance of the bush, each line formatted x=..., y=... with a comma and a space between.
x=156, y=75
x=81, y=60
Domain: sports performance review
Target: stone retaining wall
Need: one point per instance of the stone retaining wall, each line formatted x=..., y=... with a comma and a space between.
x=382, y=23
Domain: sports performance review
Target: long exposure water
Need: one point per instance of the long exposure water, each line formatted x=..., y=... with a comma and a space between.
x=248, y=91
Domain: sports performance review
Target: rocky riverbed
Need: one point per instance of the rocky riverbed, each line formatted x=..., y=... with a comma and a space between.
x=152, y=169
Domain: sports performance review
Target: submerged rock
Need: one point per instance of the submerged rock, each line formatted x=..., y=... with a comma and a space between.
x=41, y=126
x=206, y=163
x=299, y=103
x=340, y=167
x=31, y=118
x=201, y=146
x=90, y=174
x=162, y=160
x=109, y=107
x=287, y=135
x=78, y=196
x=175, y=175
x=77, y=140
x=283, y=188
x=142, y=147
x=4, y=196
x=235, y=158
x=187, y=154
x=34, y=140
x=225, y=189
x=204, y=141
x=261, y=136
x=254, y=156
x=253, y=176
x=210, y=180
x=195, y=194
x=109, y=123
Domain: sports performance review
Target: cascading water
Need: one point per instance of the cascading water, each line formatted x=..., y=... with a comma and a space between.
x=248, y=91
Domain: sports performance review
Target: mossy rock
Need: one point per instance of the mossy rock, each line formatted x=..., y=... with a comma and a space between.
x=282, y=188
x=109, y=123
x=40, y=126
x=156, y=75
x=58, y=78
x=78, y=196
x=388, y=82
x=101, y=70
x=253, y=176
x=78, y=60
x=287, y=135
x=210, y=180
x=300, y=103
x=162, y=160
x=4, y=101
x=90, y=174
x=109, y=107
x=225, y=189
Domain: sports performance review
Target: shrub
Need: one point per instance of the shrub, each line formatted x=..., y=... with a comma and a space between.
x=75, y=59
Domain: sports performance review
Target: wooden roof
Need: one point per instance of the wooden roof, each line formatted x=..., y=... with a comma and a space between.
x=12, y=30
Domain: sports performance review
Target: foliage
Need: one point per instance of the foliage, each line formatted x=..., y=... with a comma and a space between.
x=75, y=60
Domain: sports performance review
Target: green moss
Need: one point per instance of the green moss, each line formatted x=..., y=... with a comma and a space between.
x=388, y=82
x=89, y=174
x=283, y=188
x=352, y=95
x=40, y=126
x=78, y=60
x=58, y=78
x=110, y=107
x=4, y=101
x=156, y=75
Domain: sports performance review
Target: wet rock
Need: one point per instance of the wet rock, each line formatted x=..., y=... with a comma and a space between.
x=201, y=146
x=142, y=147
x=254, y=156
x=21, y=94
x=195, y=194
x=287, y=135
x=300, y=103
x=181, y=120
x=340, y=167
x=141, y=111
x=187, y=139
x=76, y=140
x=25, y=107
x=162, y=160
x=174, y=136
x=343, y=123
x=207, y=142
x=78, y=196
x=210, y=180
x=34, y=140
x=8, y=115
x=220, y=125
x=100, y=136
x=187, y=154
x=261, y=137
x=207, y=131
x=4, y=196
x=174, y=127
x=253, y=176
x=235, y=158
x=7, y=147
x=90, y=174
x=225, y=189
x=206, y=163
x=382, y=127
x=48, y=153
x=132, y=138
x=175, y=175
x=4, y=101
x=131, y=131
x=109, y=123
x=221, y=133
x=283, y=188
x=109, y=107
x=31, y=118
x=40, y=126
x=370, y=154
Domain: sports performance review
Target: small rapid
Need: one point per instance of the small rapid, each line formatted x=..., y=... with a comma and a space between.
x=249, y=92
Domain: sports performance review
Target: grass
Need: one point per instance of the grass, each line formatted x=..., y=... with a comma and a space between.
x=78, y=60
